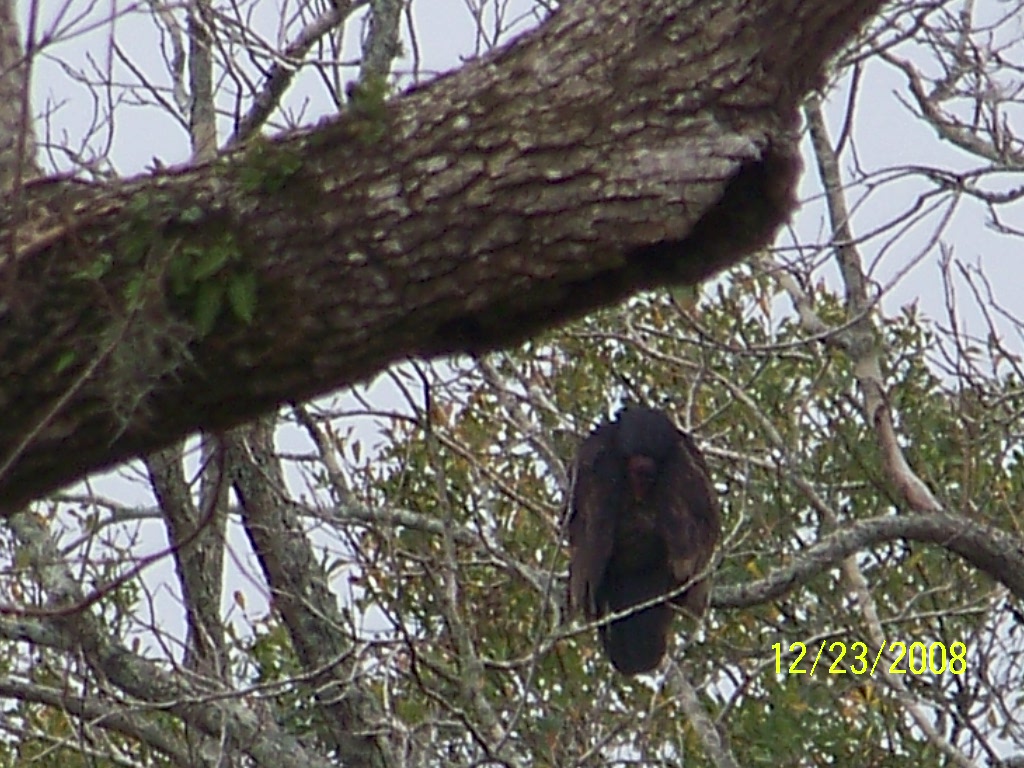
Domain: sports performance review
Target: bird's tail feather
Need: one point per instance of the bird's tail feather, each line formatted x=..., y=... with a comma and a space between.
x=635, y=643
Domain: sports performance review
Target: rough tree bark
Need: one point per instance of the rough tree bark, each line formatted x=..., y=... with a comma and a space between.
x=621, y=145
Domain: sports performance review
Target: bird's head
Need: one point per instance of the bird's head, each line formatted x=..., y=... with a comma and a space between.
x=642, y=472
x=645, y=437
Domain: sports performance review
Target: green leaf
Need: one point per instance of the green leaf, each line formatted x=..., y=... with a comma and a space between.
x=191, y=215
x=242, y=296
x=66, y=358
x=208, y=303
x=132, y=289
x=97, y=268
x=178, y=274
x=210, y=261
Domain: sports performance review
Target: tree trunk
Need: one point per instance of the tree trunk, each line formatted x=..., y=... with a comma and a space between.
x=622, y=145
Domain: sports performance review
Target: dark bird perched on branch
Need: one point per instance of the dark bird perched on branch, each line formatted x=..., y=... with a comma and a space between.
x=644, y=521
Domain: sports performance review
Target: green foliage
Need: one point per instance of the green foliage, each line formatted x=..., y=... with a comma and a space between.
x=777, y=416
x=191, y=251
x=474, y=607
x=97, y=268
x=267, y=167
x=241, y=290
x=367, y=108
x=205, y=275
x=65, y=360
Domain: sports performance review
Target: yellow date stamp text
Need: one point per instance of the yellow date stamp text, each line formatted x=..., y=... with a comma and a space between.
x=858, y=659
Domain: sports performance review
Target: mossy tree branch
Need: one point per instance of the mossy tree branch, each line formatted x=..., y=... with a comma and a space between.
x=620, y=146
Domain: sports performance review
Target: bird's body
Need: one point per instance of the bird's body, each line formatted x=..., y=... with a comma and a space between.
x=643, y=522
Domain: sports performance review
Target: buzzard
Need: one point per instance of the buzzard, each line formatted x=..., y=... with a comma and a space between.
x=643, y=522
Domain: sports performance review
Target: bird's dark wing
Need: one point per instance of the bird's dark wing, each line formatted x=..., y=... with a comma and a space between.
x=596, y=498
x=689, y=520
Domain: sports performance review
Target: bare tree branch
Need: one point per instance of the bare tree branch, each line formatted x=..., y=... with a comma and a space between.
x=301, y=596
x=860, y=339
x=988, y=549
x=284, y=70
x=217, y=714
x=97, y=714
x=17, y=131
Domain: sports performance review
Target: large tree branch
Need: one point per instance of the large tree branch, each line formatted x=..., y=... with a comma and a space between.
x=620, y=146
x=96, y=713
x=988, y=549
x=197, y=538
x=301, y=596
x=17, y=134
